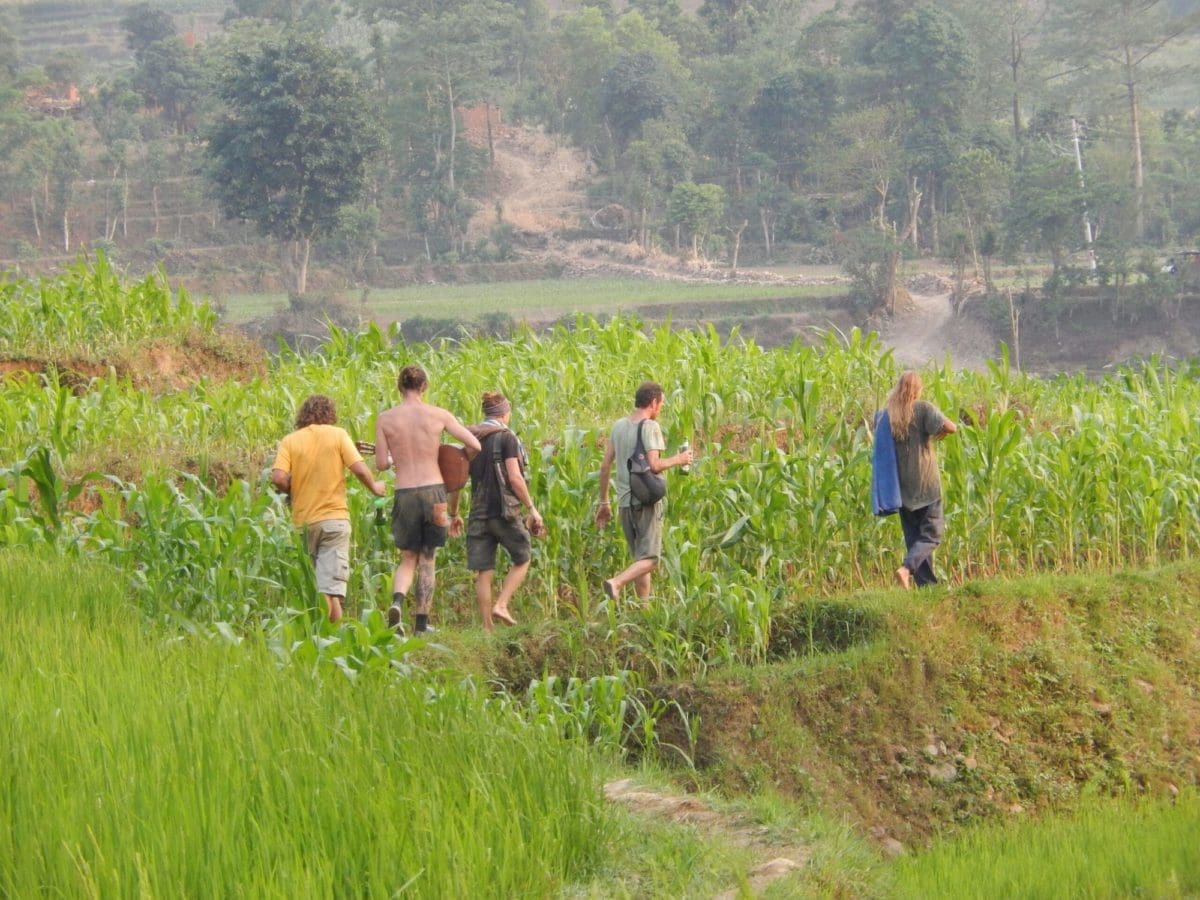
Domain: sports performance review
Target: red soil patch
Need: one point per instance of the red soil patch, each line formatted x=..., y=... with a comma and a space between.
x=156, y=366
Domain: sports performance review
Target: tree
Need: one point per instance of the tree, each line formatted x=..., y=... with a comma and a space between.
x=651, y=167
x=447, y=51
x=65, y=67
x=731, y=22
x=636, y=89
x=698, y=209
x=927, y=63
x=871, y=257
x=169, y=77
x=570, y=72
x=1022, y=19
x=145, y=24
x=793, y=106
x=292, y=147
x=1115, y=43
x=980, y=177
x=1047, y=202
x=113, y=111
x=863, y=149
x=287, y=12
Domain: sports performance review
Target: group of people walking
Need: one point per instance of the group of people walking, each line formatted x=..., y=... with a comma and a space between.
x=311, y=461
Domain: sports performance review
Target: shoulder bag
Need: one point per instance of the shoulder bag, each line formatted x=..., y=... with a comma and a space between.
x=646, y=486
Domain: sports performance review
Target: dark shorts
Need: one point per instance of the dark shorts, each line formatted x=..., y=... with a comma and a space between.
x=420, y=518
x=485, y=535
x=643, y=527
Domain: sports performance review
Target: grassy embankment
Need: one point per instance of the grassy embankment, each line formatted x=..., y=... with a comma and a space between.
x=142, y=760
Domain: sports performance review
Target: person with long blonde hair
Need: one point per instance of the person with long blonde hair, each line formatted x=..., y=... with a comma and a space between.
x=915, y=425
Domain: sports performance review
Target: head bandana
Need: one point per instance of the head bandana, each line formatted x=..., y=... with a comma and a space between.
x=494, y=407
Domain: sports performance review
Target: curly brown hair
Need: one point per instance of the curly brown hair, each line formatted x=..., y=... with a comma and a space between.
x=647, y=393
x=316, y=410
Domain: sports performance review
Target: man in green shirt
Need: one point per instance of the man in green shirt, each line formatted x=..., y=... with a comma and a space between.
x=642, y=524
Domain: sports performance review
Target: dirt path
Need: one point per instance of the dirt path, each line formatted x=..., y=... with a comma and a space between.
x=925, y=328
x=772, y=861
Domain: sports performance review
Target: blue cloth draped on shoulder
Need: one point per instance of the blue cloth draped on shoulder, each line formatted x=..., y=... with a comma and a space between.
x=885, y=474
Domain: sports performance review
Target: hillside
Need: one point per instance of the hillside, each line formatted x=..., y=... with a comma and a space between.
x=93, y=30
x=914, y=717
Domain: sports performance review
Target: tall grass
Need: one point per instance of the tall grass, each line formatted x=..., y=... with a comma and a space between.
x=1114, y=849
x=141, y=763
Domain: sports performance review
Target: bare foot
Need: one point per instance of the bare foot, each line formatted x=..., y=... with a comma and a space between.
x=610, y=589
x=904, y=578
x=503, y=616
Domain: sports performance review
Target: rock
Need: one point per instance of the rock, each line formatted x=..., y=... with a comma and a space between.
x=888, y=844
x=944, y=773
x=616, y=789
x=775, y=868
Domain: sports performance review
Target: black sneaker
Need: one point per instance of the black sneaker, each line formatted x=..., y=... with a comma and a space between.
x=395, y=620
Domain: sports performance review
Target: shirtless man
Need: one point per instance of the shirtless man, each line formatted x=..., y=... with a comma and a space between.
x=407, y=437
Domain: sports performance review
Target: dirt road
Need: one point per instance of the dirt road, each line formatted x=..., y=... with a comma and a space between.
x=925, y=329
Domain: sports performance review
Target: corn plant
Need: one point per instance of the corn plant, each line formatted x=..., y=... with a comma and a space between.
x=1060, y=474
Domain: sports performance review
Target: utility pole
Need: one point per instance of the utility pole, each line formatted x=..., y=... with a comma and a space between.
x=1087, y=222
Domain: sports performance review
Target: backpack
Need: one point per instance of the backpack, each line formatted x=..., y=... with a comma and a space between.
x=646, y=486
x=509, y=502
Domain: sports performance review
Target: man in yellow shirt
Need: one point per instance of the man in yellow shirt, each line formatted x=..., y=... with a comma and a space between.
x=309, y=467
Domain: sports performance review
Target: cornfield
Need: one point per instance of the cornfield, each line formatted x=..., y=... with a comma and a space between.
x=1054, y=475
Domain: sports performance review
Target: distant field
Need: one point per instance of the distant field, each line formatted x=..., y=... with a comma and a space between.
x=546, y=299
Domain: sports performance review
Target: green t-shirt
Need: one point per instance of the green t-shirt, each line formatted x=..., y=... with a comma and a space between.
x=623, y=440
x=916, y=457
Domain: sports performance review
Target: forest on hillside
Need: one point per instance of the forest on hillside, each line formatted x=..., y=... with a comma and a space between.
x=801, y=130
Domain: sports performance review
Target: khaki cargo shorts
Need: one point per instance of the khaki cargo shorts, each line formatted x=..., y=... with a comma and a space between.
x=328, y=544
x=643, y=527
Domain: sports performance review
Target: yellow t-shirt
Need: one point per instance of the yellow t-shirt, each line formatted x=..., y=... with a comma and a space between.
x=316, y=457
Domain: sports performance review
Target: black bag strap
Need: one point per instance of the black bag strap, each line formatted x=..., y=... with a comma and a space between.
x=639, y=446
x=485, y=432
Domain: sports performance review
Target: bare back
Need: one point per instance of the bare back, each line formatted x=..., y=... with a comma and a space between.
x=407, y=437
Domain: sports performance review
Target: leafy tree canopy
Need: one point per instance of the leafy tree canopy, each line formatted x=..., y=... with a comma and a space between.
x=145, y=24
x=291, y=148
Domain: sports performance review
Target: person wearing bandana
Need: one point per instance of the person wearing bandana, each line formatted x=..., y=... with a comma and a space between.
x=499, y=494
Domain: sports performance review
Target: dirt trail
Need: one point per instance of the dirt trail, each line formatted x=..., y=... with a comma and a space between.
x=772, y=861
x=925, y=328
